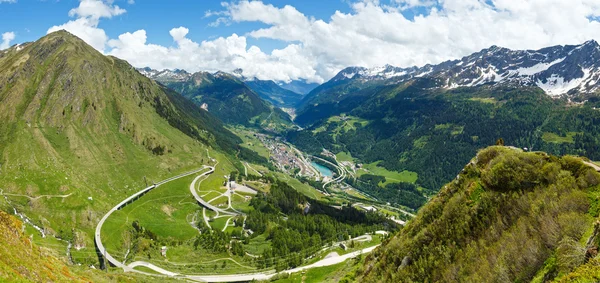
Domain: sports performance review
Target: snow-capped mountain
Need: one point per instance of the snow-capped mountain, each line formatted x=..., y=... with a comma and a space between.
x=377, y=73
x=165, y=75
x=558, y=70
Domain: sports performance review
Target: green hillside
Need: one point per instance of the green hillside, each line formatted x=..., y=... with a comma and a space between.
x=81, y=131
x=272, y=92
x=434, y=132
x=231, y=100
x=23, y=261
x=509, y=216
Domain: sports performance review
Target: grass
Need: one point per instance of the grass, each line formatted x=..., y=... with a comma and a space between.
x=220, y=202
x=251, y=142
x=390, y=176
x=146, y=269
x=356, y=193
x=53, y=161
x=186, y=259
x=554, y=138
x=345, y=124
x=259, y=186
x=257, y=245
x=489, y=100
x=299, y=186
x=421, y=142
x=210, y=195
x=326, y=274
x=344, y=156
x=167, y=212
x=25, y=261
x=219, y=223
x=454, y=129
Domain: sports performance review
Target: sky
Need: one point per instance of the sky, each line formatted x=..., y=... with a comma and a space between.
x=300, y=39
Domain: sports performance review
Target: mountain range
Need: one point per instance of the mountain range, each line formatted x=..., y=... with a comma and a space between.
x=280, y=94
x=432, y=119
x=571, y=71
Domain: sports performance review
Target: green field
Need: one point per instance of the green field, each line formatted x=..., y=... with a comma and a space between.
x=345, y=123
x=390, y=176
x=165, y=211
x=326, y=274
x=489, y=100
x=219, y=223
x=250, y=141
x=299, y=186
x=344, y=156
x=171, y=213
x=554, y=138
x=257, y=245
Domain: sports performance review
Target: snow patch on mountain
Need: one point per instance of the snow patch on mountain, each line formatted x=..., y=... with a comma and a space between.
x=556, y=85
x=558, y=70
x=538, y=68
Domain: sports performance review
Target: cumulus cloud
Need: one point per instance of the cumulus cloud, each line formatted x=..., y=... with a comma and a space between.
x=88, y=15
x=223, y=53
x=7, y=37
x=372, y=33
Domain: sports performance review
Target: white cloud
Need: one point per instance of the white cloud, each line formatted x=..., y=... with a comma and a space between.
x=374, y=34
x=95, y=9
x=7, y=37
x=88, y=15
x=371, y=34
x=8, y=1
x=223, y=53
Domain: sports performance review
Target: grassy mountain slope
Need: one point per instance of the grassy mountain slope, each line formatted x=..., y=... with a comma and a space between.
x=272, y=92
x=81, y=131
x=509, y=216
x=231, y=100
x=322, y=101
x=23, y=261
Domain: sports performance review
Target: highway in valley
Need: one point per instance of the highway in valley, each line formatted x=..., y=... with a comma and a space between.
x=98, y=239
x=266, y=275
x=204, y=203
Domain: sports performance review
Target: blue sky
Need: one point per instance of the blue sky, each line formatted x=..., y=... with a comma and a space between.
x=309, y=39
x=30, y=19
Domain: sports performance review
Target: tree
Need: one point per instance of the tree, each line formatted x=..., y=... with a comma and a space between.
x=500, y=142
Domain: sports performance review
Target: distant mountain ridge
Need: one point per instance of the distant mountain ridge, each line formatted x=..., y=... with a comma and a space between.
x=225, y=95
x=558, y=70
x=281, y=94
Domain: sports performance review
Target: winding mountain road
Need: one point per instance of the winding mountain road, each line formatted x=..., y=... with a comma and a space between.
x=97, y=236
x=201, y=201
x=268, y=275
x=335, y=259
x=341, y=171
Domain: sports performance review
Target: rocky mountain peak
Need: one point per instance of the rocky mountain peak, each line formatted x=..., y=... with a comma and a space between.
x=558, y=70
